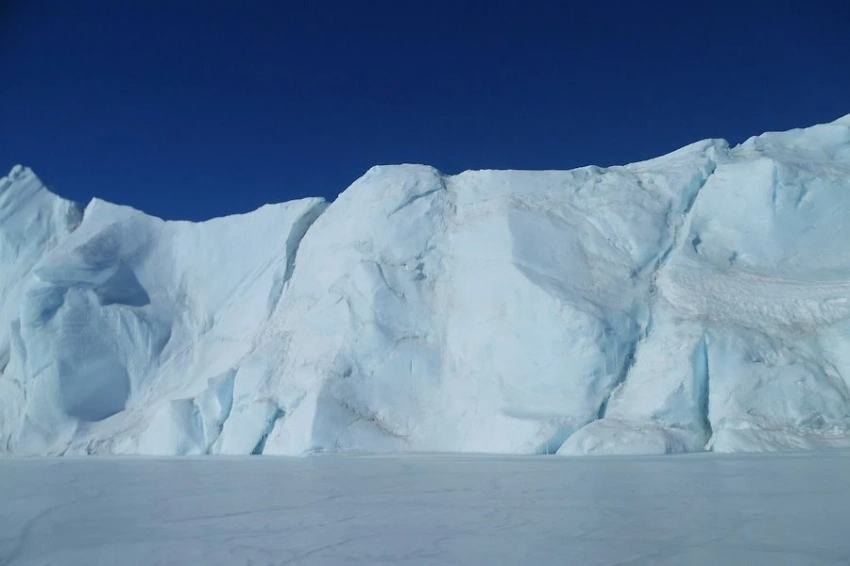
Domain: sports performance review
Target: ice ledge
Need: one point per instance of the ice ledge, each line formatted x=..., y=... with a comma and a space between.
x=22, y=183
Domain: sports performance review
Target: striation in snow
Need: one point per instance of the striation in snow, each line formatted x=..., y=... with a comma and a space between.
x=697, y=301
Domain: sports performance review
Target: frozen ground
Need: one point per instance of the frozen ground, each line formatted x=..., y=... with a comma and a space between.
x=694, y=509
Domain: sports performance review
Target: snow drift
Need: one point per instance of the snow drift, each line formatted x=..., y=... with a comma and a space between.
x=697, y=301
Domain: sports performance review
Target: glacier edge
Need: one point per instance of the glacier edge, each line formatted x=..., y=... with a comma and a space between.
x=699, y=300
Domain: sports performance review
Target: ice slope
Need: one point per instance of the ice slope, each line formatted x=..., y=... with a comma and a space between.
x=700, y=300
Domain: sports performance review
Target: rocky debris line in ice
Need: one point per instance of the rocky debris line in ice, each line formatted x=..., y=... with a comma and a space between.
x=700, y=300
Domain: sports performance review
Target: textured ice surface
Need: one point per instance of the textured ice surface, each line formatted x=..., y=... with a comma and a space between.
x=705, y=509
x=700, y=300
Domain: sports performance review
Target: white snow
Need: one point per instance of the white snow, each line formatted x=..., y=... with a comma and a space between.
x=700, y=300
x=700, y=510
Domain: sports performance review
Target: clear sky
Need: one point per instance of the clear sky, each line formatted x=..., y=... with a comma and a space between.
x=191, y=109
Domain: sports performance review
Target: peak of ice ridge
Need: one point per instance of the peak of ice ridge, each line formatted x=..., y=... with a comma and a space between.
x=696, y=301
x=844, y=120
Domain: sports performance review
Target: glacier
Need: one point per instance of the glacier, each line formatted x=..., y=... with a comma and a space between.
x=696, y=301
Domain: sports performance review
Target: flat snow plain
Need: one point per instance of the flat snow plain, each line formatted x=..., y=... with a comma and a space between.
x=697, y=509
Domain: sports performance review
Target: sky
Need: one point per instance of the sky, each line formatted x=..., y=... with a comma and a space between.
x=191, y=109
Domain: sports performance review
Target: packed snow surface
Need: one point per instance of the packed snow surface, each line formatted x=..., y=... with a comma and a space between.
x=696, y=510
x=700, y=300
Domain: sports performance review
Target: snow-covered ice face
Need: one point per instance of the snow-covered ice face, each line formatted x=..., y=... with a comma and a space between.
x=697, y=300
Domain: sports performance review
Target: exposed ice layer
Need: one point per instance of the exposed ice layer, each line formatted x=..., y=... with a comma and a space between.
x=490, y=311
x=32, y=222
x=131, y=331
x=700, y=300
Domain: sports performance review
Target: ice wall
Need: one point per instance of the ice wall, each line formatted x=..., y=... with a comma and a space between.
x=695, y=301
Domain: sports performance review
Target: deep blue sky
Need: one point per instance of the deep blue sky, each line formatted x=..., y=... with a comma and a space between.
x=192, y=109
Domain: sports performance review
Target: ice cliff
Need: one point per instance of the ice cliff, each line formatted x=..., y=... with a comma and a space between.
x=697, y=301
